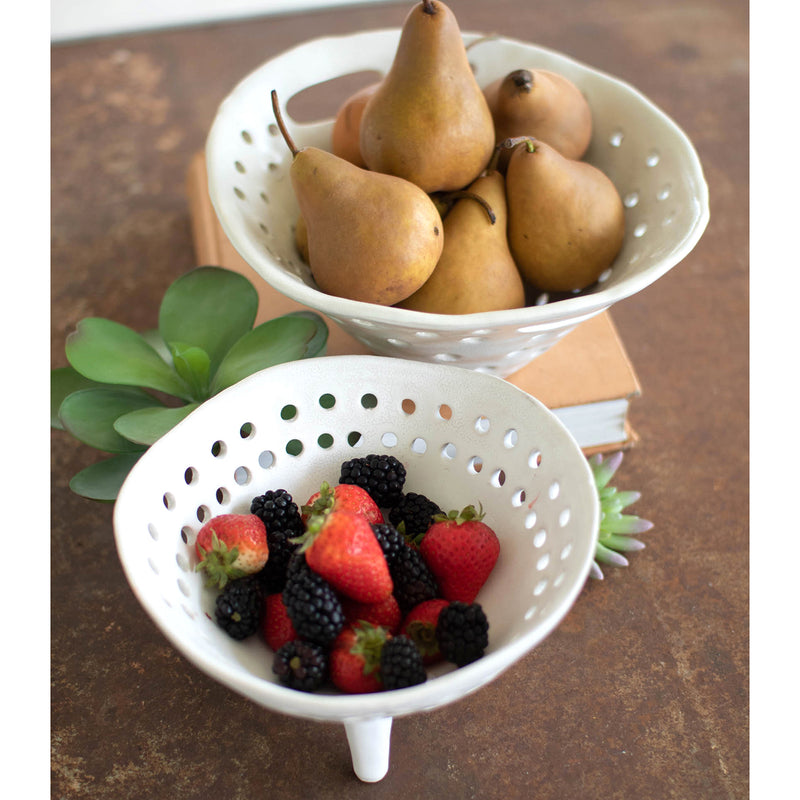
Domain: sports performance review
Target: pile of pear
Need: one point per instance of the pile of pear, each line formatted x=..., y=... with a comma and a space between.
x=441, y=196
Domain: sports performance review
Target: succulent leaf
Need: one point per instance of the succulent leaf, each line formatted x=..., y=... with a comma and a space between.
x=210, y=308
x=148, y=425
x=89, y=415
x=102, y=481
x=194, y=366
x=109, y=352
x=287, y=338
x=63, y=382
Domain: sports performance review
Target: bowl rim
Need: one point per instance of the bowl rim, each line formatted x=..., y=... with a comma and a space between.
x=449, y=686
x=579, y=306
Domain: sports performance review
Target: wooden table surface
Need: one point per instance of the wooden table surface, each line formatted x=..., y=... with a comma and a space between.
x=642, y=692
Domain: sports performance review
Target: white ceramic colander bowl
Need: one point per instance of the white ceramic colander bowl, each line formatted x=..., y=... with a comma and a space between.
x=465, y=437
x=650, y=160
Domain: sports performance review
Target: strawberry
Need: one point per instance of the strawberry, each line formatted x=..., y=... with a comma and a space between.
x=420, y=626
x=275, y=623
x=355, y=658
x=386, y=613
x=342, y=548
x=231, y=546
x=461, y=551
x=343, y=497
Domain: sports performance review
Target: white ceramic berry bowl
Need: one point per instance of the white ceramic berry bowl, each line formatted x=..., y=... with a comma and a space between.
x=465, y=437
x=650, y=160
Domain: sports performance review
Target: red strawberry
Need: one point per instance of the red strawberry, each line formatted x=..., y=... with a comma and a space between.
x=343, y=497
x=231, y=546
x=420, y=626
x=355, y=659
x=386, y=614
x=342, y=548
x=460, y=551
x=275, y=623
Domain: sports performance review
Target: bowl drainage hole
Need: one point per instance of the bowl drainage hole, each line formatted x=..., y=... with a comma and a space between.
x=498, y=478
x=294, y=447
x=482, y=424
x=327, y=400
x=475, y=465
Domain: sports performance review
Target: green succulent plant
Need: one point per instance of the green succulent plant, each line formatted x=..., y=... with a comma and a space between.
x=124, y=390
x=617, y=530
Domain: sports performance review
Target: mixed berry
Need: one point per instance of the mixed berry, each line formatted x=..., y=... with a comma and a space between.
x=361, y=588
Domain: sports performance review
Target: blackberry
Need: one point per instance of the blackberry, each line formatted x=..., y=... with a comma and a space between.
x=413, y=580
x=301, y=665
x=239, y=607
x=283, y=522
x=392, y=542
x=311, y=603
x=416, y=513
x=382, y=476
x=278, y=511
x=401, y=664
x=462, y=632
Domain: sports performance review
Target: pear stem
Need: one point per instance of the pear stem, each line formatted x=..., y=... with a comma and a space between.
x=428, y=7
x=452, y=197
x=282, y=125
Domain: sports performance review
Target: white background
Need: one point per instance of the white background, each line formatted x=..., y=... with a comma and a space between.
x=80, y=19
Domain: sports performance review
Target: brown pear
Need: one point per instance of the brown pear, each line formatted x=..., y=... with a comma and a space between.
x=345, y=134
x=428, y=121
x=301, y=237
x=475, y=271
x=541, y=104
x=371, y=237
x=566, y=220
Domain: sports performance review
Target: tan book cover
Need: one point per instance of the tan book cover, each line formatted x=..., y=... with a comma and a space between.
x=588, y=366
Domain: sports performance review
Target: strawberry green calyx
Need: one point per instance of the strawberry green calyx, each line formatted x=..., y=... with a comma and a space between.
x=323, y=503
x=368, y=644
x=467, y=514
x=218, y=563
x=312, y=531
x=423, y=634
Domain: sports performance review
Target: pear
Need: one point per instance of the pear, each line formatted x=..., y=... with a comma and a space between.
x=541, y=104
x=428, y=121
x=371, y=237
x=566, y=220
x=345, y=134
x=301, y=238
x=475, y=271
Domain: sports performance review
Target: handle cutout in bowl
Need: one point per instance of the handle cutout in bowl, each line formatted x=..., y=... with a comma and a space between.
x=322, y=100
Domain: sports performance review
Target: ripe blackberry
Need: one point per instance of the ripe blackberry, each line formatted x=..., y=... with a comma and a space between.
x=415, y=512
x=462, y=632
x=283, y=522
x=401, y=664
x=382, y=476
x=278, y=511
x=239, y=607
x=413, y=580
x=301, y=665
x=311, y=603
x=392, y=542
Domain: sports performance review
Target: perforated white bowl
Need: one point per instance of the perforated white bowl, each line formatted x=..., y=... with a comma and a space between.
x=650, y=160
x=465, y=437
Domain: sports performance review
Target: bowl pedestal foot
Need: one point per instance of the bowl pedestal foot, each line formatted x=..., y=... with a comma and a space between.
x=369, y=741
